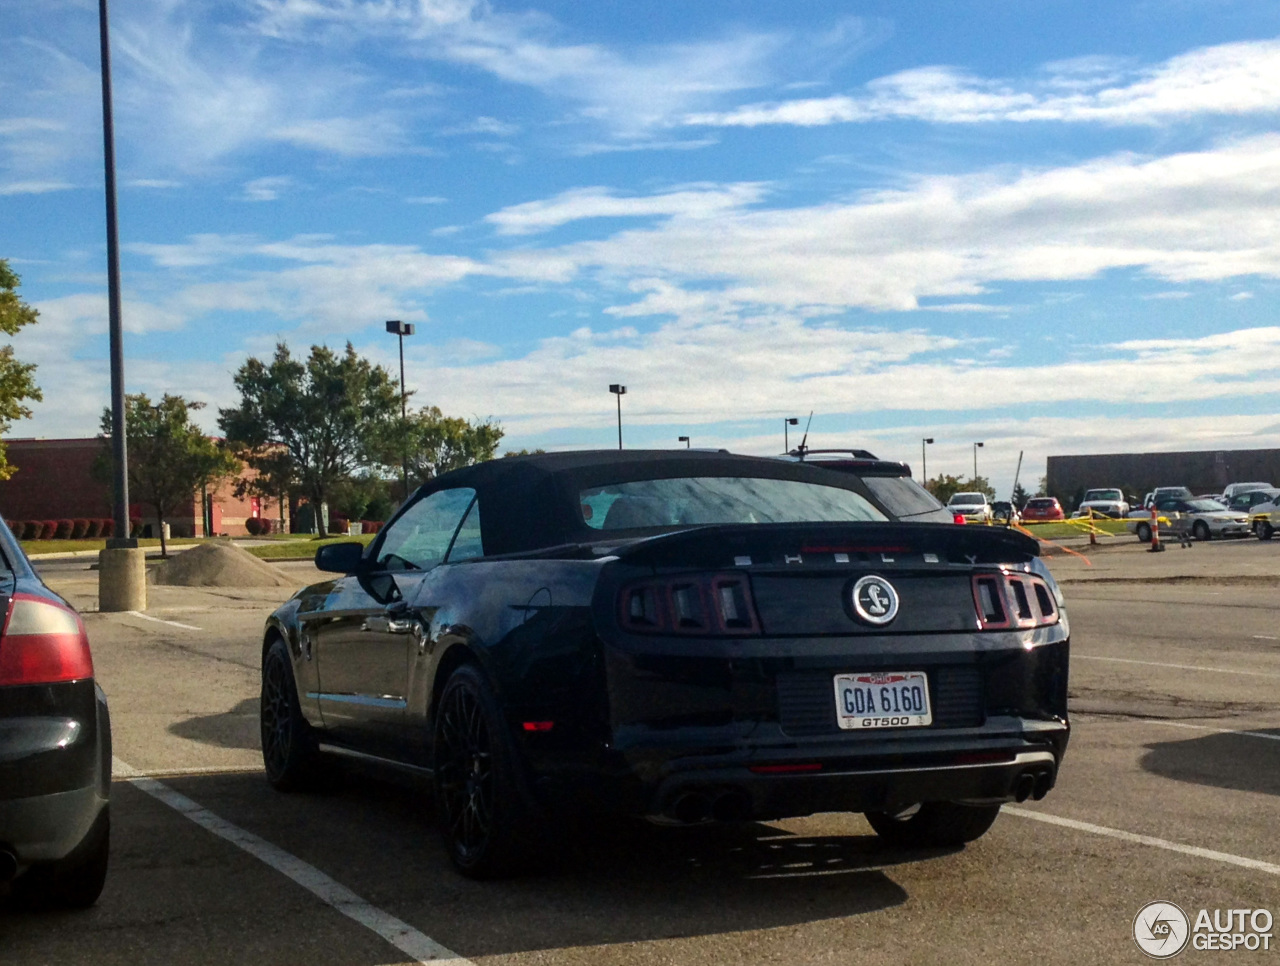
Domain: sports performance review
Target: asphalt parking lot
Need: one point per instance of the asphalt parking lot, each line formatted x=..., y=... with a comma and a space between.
x=1169, y=791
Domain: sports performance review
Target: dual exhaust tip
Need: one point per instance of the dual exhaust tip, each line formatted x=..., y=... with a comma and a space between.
x=1033, y=784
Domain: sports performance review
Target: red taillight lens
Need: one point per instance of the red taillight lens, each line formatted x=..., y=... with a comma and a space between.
x=42, y=643
x=958, y=518
x=696, y=604
x=1013, y=600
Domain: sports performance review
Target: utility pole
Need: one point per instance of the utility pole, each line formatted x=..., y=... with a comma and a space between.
x=400, y=330
x=619, y=391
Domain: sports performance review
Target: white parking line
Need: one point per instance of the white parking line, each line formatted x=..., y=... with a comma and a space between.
x=419, y=946
x=148, y=617
x=1177, y=667
x=1264, y=637
x=1181, y=724
x=1114, y=833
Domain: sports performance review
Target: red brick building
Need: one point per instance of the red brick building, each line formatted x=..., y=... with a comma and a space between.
x=54, y=482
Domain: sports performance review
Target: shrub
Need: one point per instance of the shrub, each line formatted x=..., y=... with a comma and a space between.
x=371, y=526
x=106, y=528
x=337, y=524
x=135, y=526
x=48, y=528
x=267, y=525
x=16, y=527
x=64, y=529
x=79, y=529
x=93, y=529
x=31, y=530
x=254, y=526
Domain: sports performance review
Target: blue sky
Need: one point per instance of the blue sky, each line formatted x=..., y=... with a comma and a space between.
x=1051, y=226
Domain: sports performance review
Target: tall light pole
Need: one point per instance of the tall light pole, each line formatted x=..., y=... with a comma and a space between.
x=683, y=439
x=924, y=465
x=788, y=421
x=976, y=447
x=619, y=391
x=119, y=451
x=400, y=330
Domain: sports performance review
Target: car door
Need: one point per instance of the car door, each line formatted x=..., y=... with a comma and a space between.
x=366, y=636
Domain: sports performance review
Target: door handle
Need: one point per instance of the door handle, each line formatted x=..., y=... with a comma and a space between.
x=383, y=624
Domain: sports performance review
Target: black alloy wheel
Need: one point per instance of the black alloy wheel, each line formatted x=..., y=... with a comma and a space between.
x=288, y=746
x=1201, y=530
x=478, y=802
x=1144, y=532
x=934, y=824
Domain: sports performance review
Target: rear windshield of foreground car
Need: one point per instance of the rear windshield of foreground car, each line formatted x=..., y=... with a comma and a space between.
x=906, y=499
x=694, y=501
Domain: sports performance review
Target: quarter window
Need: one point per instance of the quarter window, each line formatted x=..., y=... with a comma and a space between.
x=467, y=544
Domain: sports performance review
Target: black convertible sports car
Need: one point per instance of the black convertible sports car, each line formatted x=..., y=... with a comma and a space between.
x=683, y=636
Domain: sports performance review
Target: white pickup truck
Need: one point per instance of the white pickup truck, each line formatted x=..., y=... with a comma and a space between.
x=1105, y=502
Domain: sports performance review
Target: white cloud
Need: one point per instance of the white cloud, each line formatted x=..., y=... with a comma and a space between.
x=693, y=201
x=266, y=189
x=1203, y=216
x=1234, y=79
x=1240, y=297
x=33, y=187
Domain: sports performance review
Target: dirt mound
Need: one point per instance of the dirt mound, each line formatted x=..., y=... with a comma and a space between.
x=218, y=563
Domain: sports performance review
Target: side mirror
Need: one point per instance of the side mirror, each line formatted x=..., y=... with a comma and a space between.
x=340, y=558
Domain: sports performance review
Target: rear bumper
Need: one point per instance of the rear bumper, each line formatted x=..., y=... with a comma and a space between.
x=55, y=768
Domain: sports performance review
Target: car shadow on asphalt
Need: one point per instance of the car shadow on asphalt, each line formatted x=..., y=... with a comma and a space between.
x=1234, y=761
x=616, y=882
x=237, y=728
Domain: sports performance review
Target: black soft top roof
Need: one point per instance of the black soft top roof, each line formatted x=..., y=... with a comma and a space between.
x=527, y=502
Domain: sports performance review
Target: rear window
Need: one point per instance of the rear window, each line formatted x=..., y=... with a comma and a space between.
x=1041, y=504
x=906, y=499
x=694, y=501
x=1103, y=495
x=965, y=499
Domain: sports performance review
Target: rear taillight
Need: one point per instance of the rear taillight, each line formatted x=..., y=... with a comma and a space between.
x=699, y=604
x=42, y=643
x=958, y=518
x=1005, y=600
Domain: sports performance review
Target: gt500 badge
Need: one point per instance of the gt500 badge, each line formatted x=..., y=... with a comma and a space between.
x=875, y=600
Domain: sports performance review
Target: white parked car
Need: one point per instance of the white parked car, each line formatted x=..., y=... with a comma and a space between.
x=974, y=506
x=1235, y=489
x=1204, y=519
x=1107, y=502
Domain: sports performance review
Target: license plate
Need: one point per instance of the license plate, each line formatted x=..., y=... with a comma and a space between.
x=883, y=699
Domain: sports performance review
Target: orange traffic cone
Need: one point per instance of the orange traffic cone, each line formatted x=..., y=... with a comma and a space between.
x=1156, y=545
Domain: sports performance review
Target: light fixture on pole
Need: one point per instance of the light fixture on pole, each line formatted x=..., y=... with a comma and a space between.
x=976, y=447
x=683, y=439
x=619, y=391
x=788, y=421
x=924, y=464
x=400, y=330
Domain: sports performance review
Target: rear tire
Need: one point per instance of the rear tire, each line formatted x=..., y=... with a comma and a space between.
x=1201, y=531
x=479, y=806
x=934, y=824
x=1264, y=530
x=1144, y=532
x=289, y=752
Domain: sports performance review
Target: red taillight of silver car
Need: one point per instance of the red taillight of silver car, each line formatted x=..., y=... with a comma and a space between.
x=713, y=605
x=1008, y=600
x=42, y=643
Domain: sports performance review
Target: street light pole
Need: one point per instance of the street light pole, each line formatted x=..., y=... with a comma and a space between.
x=400, y=330
x=619, y=391
x=976, y=447
x=924, y=465
x=683, y=439
x=788, y=421
x=119, y=449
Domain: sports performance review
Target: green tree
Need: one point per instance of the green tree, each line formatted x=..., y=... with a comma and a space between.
x=17, y=379
x=1020, y=496
x=310, y=424
x=170, y=458
x=433, y=443
x=945, y=487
